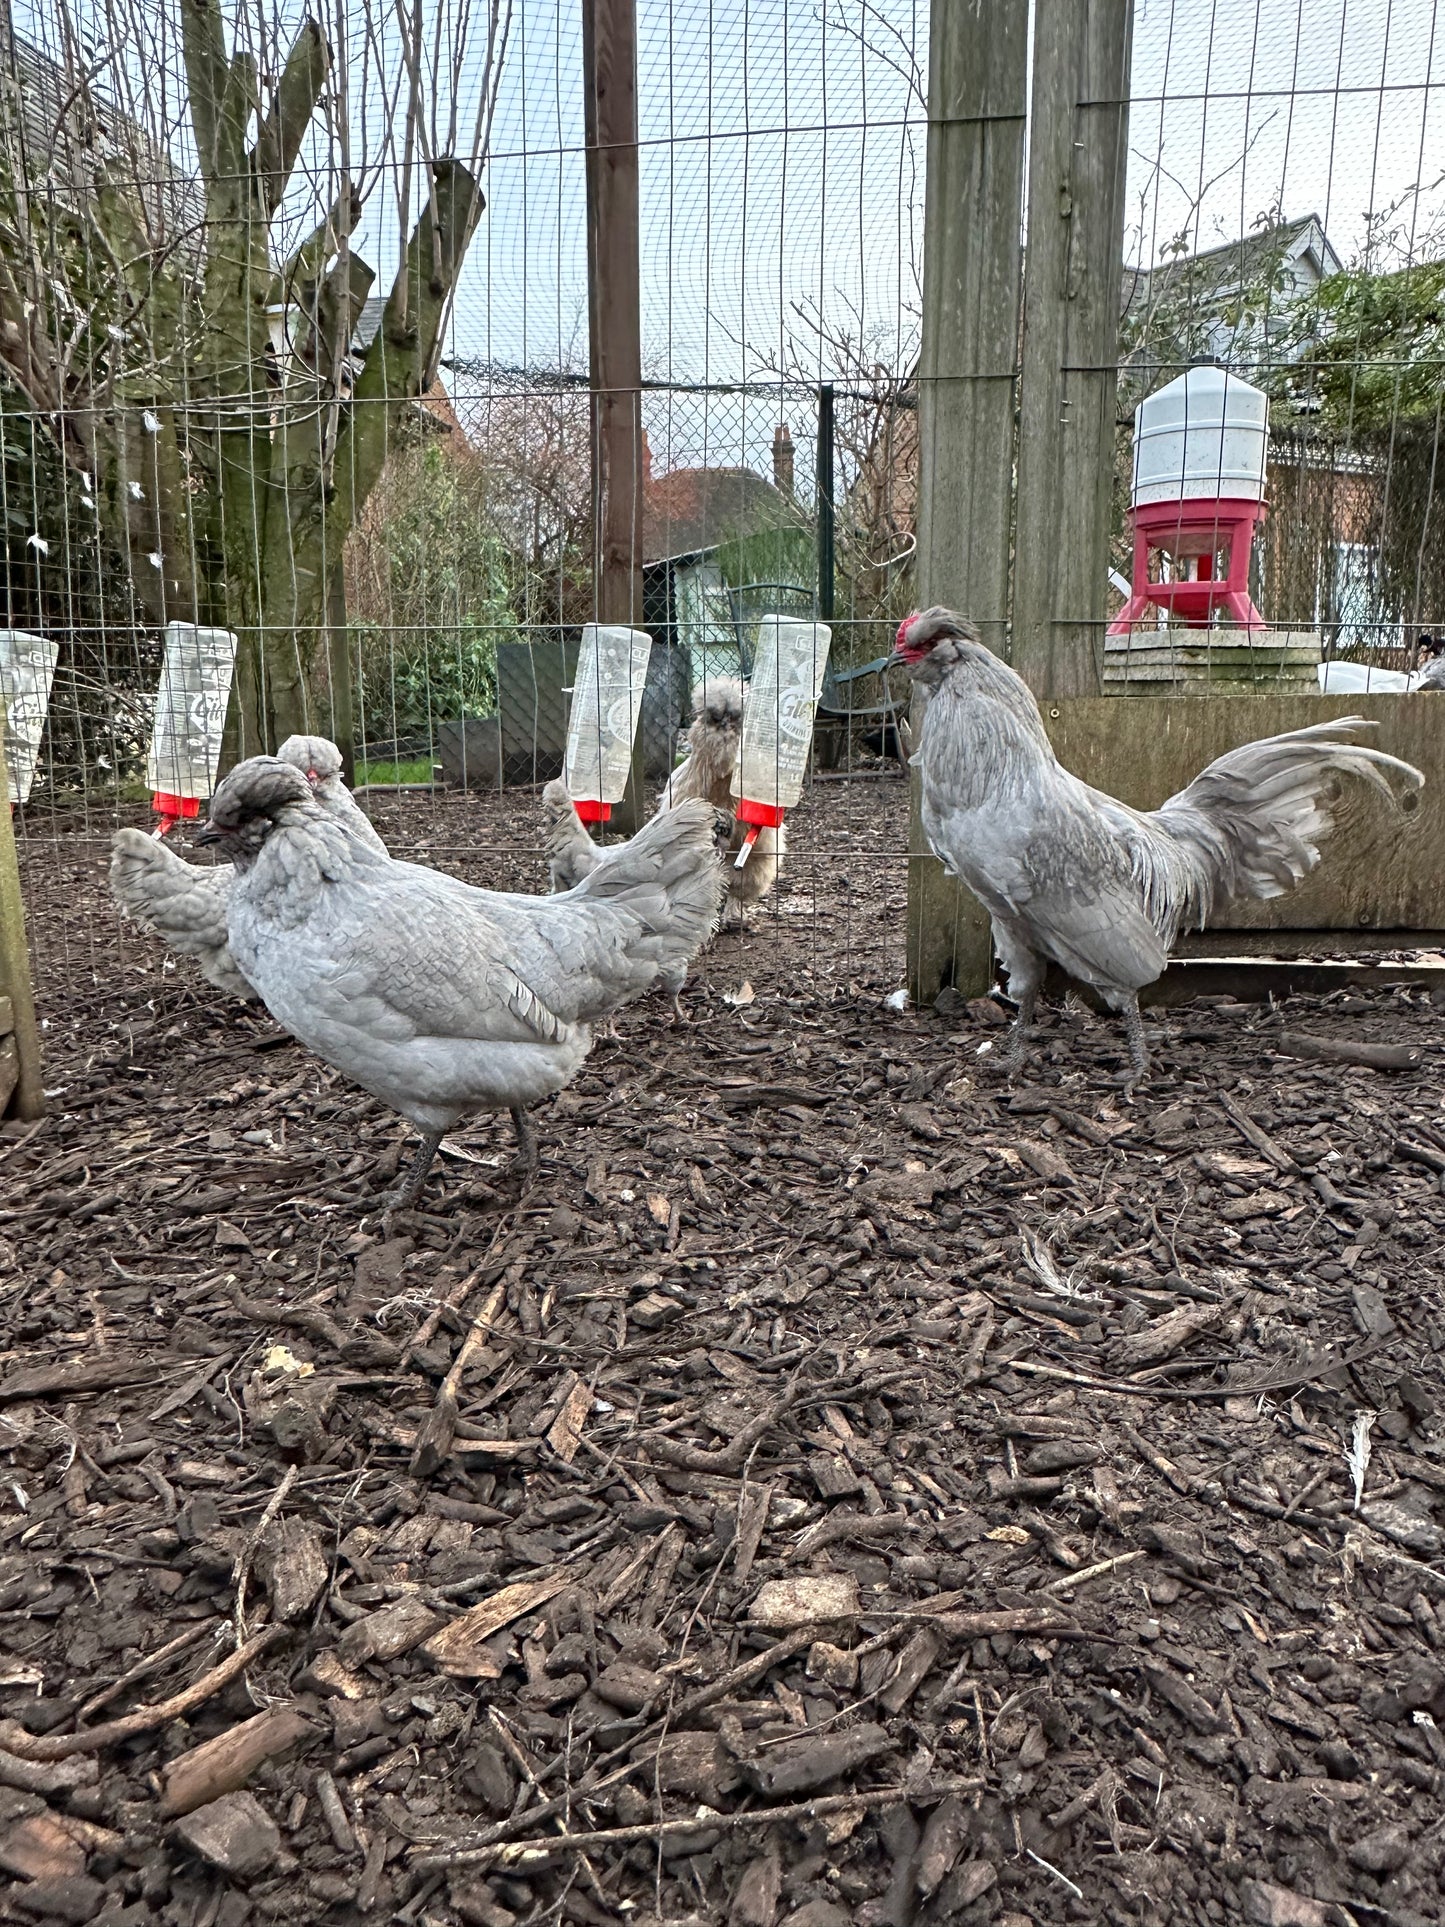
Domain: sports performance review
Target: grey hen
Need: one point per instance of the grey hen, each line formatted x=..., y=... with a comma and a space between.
x=185, y=904
x=438, y=998
x=1069, y=874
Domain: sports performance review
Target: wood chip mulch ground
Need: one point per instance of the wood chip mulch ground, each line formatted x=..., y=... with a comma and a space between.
x=839, y=1488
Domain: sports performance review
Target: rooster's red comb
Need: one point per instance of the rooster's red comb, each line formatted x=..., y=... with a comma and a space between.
x=901, y=639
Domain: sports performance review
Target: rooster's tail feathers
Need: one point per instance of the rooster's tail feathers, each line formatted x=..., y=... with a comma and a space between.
x=1253, y=820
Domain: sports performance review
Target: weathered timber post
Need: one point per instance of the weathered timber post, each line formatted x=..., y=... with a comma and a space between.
x=977, y=93
x=21, y=1092
x=614, y=316
x=823, y=491
x=338, y=662
x=1078, y=147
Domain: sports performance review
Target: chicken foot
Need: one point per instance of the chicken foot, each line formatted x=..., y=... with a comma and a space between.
x=406, y=1194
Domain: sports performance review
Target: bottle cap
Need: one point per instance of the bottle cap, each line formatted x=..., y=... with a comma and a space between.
x=767, y=816
x=169, y=807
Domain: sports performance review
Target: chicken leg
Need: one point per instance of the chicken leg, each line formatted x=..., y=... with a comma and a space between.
x=1025, y=977
x=1138, y=1047
x=405, y=1196
x=408, y=1192
x=526, y=1158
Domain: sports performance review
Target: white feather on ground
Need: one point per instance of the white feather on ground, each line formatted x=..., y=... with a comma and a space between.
x=1070, y=875
x=185, y=903
x=441, y=999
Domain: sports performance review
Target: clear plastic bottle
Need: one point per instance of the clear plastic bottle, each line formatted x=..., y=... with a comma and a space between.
x=190, y=717
x=27, y=669
x=789, y=665
x=606, y=705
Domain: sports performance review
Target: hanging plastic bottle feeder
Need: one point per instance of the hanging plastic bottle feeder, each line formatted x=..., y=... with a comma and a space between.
x=606, y=705
x=190, y=719
x=27, y=669
x=789, y=665
x=1200, y=448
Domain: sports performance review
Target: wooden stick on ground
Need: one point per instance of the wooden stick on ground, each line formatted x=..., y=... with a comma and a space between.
x=59, y=1746
x=457, y=1297
x=1341, y=1050
x=511, y=1852
x=152, y=1661
x=438, y=1429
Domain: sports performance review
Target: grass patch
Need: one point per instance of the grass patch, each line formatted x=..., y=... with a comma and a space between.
x=418, y=772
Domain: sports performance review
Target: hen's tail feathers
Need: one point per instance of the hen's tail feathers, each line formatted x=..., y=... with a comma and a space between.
x=182, y=903
x=669, y=878
x=1254, y=819
x=571, y=853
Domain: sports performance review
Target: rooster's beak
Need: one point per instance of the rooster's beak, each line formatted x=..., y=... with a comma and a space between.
x=209, y=832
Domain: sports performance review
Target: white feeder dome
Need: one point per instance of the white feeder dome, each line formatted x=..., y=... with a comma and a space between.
x=190, y=718
x=1203, y=436
x=789, y=665
x=27, y=669
x=606, y=705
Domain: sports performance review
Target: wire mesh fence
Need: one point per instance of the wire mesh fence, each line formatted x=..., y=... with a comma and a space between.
x=266, y=362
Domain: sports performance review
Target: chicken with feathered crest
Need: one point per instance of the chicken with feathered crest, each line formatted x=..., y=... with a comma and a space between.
x=438, y=998
x=185, y=903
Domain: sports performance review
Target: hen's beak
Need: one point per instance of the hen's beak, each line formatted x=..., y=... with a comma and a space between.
x=208, y=832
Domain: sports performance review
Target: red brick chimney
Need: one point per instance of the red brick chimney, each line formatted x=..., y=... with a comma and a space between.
x=783, y=459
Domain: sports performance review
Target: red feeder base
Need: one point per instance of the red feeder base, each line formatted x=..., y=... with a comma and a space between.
x=590, y=810
x=1193, y=532
x=767, y=816
x=171, y=808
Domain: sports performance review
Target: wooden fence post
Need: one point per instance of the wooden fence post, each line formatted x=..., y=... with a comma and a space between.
x=21, y=1092
x=1078, y=148
x=977, y=93
x=614, y=315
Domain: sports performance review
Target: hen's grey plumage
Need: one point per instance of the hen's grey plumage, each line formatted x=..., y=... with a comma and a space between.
x=1069, y=874
x=439, y=998
x=185, y=904
x=707, y=771
x=1432, y=676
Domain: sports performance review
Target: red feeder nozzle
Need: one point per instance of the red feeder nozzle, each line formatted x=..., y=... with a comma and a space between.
x=590, y=810
x=171, y=808
x=759, y=816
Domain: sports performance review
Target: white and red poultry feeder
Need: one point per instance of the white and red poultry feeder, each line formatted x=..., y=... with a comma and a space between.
x=606, y=705
x=27, y=670
x=190, y=720
x=1200, y=446
x=789, y=665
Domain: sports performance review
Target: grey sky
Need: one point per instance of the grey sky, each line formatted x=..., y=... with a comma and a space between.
x=782, y=163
